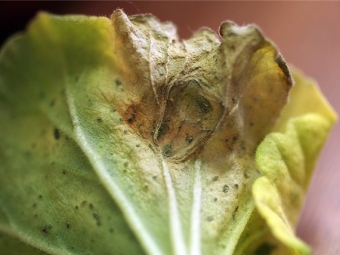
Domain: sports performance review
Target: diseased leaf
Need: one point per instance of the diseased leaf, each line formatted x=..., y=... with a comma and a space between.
x=118, y=138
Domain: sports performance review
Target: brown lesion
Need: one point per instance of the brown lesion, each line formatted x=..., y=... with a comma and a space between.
x=190, y=117
x=208, y=95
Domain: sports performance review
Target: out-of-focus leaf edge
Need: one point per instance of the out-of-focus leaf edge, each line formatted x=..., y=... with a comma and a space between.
x=303, y=129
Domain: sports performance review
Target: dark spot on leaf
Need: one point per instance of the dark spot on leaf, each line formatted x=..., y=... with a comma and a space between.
x=189, y=139
x=111, y=230
x=264, y=249
x=210, y=218
x=118, y=82
x=91, y=206
x=234, y=213
x=52, y=103
x=83, y=203
x=34, y=205
x=215, y=178
x=46, y=229
x=203, y=104
x=163, y=129
x=167, y=150
x=40, y=196
x=225, y=188
x=76, y=207
x=64, y=171
x=235, y=138
x=97, y=218
x=215, y=199
x=99, y=120
x=130, y=114
x=236, y=186
x=56, y=133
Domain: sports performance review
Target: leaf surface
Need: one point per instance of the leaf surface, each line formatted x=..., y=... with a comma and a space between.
x=118, y=138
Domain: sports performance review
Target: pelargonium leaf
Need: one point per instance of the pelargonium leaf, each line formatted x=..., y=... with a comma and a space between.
x=117, y=133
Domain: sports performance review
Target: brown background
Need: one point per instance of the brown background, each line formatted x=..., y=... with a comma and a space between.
x=308, y=35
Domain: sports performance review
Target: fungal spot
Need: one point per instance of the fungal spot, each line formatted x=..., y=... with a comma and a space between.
x=99, y=120
x=83, y=203
x=56, y=133
x=210, y=218
x=46, y=229
x=167, y=150
x=236, y=186
x=225, y=188
x=64, y=171
x=97, y=218
x=189, y=139
x=235, y=138
x=215, y=178
x=111, y=230
x=68, y=225
x=34, y=205
x=40, y=196
x=76, y=207
x=130, y=114
x=234, y=213
x=163, y=129
x=215, y=199
x=118, y=82
x=203, y=104
x=246, y=175
x=52, y=103
x=91, y=206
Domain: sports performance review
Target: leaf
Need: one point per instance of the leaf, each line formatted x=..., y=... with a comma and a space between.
x=117, y=138
x=50, y=195
x=287, y=159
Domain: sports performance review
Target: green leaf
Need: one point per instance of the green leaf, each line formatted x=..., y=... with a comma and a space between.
x=50, y=195
x=117, y=138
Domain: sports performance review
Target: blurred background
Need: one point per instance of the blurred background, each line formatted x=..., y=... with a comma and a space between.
x=308, y=36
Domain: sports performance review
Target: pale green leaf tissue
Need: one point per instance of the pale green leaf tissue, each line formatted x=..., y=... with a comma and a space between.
x=117, y=138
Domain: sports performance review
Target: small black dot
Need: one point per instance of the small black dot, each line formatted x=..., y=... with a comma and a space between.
x=225, y=188
x=167, y=150
x=215, y=178
x=56, y=133
x=118, y=82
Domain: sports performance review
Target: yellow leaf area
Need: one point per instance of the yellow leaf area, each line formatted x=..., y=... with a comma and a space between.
x=286, y=159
